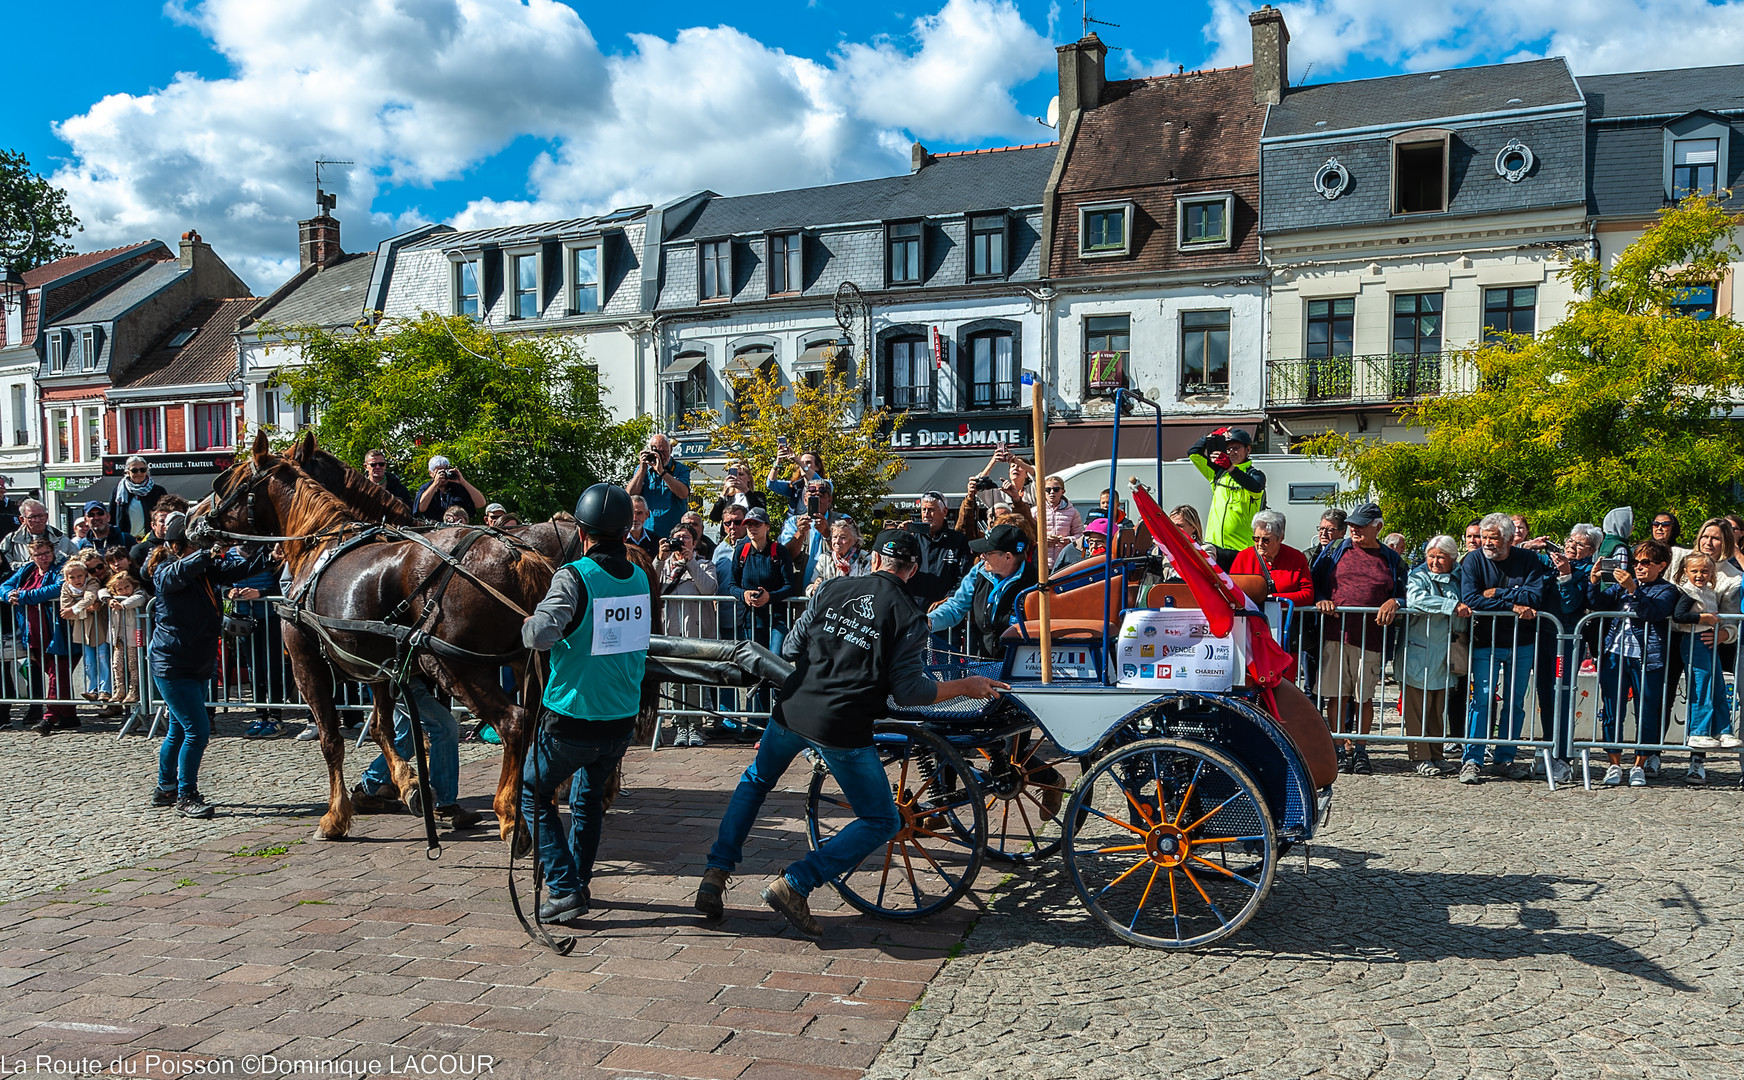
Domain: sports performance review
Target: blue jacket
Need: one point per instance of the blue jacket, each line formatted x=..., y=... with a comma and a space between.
x=1518, y=579
x=49, y=592
x=1567, y=600
x=956, y=609
x=187, y=611
x=1324, y=566
x=1651, y=604
x=772, y=570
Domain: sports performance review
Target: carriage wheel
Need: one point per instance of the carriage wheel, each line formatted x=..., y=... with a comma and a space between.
x=1170, y=843
x=1025, y=781
x=933, y=859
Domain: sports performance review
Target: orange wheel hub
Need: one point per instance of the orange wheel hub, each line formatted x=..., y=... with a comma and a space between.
x=1167, y=845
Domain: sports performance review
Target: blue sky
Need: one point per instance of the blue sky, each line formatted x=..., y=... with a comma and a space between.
x=209, y=113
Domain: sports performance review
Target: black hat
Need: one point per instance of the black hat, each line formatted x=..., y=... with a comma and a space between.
x=897, y=544
x=1007, y=538
x=1239, y=435
x=757, y=514
x=1364, y=515
x=604, y=510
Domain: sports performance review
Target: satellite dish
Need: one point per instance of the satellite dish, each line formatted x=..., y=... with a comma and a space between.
x=1053, y=120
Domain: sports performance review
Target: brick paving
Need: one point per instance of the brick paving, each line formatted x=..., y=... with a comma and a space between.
x=267, y=942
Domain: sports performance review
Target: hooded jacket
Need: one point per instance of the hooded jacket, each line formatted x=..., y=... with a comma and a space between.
x=1619, y=524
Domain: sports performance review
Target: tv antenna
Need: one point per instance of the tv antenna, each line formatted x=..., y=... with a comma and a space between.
x=1084, y=5
x=323, y=201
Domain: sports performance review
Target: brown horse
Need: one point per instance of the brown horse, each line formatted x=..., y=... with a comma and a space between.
x=385, y=581
x=558, y=540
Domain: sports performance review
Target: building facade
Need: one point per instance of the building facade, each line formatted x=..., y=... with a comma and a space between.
x=1405, y=219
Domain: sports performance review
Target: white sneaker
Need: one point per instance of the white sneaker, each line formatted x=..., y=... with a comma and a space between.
x=1561, y=772
x=1468, y=773
x=1652, y=766
x=309, y=734
x=1614, y=776
x=1697, y=775
x=1729, y=741
x=1637, y=777
x=1702, y=742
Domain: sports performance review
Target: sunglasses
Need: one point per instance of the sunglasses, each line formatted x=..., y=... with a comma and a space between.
x=1054, y=489
x=1264, y=539
x=136, y=472
x=378, y=465
x=1662, y=524
x=1644, y=562
x=934, y=495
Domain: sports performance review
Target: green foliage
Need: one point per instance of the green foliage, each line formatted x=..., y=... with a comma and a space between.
x=827, y=420
x=520, y=416
x=1619, y=404
x=35, y=222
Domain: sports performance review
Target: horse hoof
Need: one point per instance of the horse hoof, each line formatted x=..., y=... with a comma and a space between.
x=415, y=802
x=520, y=844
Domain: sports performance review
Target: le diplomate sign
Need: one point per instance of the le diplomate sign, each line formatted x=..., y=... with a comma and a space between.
x=963, y=432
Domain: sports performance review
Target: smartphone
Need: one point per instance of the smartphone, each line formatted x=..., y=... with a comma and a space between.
x=1552, y=545
x=811, y=505
x=781, y=441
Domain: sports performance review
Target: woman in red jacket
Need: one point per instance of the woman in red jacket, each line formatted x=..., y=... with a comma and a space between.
x=1271, y=557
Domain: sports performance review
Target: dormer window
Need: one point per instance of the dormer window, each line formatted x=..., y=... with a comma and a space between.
x=903, y=245
x=1203, y=221
x=715, y=279
x=584, y=280
x=1104, y=230
x=524, y=273
x=1695, y=165
x=1420, y=173
x=989, y=240
x=786, y=264
x=57, y=351
x=88, y=348
x=466, y=289
x=182, y=337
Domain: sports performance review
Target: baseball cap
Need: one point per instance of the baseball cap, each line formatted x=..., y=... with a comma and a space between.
x=1239, y=435
x=1366, y=514
x=496, y=508
x=1006, y=538
x=95, y=505
x=898, y=544
x=757, y=513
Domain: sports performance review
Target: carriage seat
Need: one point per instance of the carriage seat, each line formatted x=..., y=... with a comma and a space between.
x=1075, y=609
x=1254, y=585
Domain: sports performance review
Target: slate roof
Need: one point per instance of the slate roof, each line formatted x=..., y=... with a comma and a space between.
x=949, y=184
x=130, y=291
x=334, y=295
x=208, y=357
x=72, y=264
x=1201, y=125
x=1422, y=98
x=514, y=234
x=1659, y=93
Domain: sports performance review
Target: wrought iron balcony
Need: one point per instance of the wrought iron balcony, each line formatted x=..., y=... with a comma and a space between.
x=1381, y=379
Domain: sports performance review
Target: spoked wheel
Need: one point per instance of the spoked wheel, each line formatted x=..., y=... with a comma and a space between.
x=934, y=857
x=1025, y=781
x=1170, y=843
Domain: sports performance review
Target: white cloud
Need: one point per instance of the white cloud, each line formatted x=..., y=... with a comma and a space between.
x=1595, y=35
x=420, y=91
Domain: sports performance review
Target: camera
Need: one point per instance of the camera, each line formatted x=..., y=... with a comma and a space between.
x=450, y=474
x=1610, y=564
x=1217, y=441
x=811, y=505
x=986, y=483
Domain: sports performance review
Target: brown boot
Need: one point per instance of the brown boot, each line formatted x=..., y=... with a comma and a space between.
x=711, y=894
x=458, y=817
x=785, y=899
x=365, y=803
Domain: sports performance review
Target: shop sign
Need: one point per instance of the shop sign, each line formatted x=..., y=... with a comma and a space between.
x=959, y=432
x=173, y=464
x=55, y=483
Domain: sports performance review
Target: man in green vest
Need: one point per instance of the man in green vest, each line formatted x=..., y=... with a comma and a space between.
x=595, y=621
x=1238, y=490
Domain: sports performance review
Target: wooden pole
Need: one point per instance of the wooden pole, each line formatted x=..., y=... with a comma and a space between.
x=1039, y=418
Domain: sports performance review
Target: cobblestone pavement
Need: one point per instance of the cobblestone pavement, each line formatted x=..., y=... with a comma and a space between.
x=85, y=795
x=1445, y=931
x=225, y=943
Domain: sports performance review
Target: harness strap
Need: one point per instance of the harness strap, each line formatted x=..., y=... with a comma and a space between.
x=454, y=565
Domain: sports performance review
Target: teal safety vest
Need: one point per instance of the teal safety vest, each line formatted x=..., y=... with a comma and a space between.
x=596, y=672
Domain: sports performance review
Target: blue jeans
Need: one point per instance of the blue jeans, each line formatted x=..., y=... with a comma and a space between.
x=96, y=668
x=178, y=759
x=444, y=735
x=862, y=779
x=1707, y=688
x=1618, y=675
x=568, y=861
x=1510, y=671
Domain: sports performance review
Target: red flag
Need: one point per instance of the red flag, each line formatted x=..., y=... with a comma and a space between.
x=1218, y=596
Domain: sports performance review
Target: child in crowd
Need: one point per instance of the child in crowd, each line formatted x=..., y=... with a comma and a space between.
x=78, y=604
x=1700, y=632
x=125, y=600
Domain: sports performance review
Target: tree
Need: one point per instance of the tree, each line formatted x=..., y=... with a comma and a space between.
x=1625, y=402
x=519, y=415
x=35, y=222
x=827, y=420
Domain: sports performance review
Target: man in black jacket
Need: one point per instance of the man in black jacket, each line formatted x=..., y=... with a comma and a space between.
x=1504, y=588
x=944, y=553
x=375, y=466
x=859, y=644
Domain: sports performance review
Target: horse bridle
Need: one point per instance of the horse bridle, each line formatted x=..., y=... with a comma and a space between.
x=245, y=490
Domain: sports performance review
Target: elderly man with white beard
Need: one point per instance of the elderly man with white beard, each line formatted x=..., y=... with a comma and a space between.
x=1496, y=581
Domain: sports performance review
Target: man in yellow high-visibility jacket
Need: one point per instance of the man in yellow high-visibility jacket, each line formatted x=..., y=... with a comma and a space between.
x=1238, y=490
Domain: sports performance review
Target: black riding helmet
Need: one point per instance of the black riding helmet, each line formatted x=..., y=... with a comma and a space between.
x=604, y=510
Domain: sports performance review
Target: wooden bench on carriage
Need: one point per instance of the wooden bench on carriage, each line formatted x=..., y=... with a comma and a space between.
x=1152, y=734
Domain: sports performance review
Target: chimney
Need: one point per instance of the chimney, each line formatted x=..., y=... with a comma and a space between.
x=191, y=243
x=318, y=237
x=1082, y=76
x=1271, y=55
x=918, y=158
